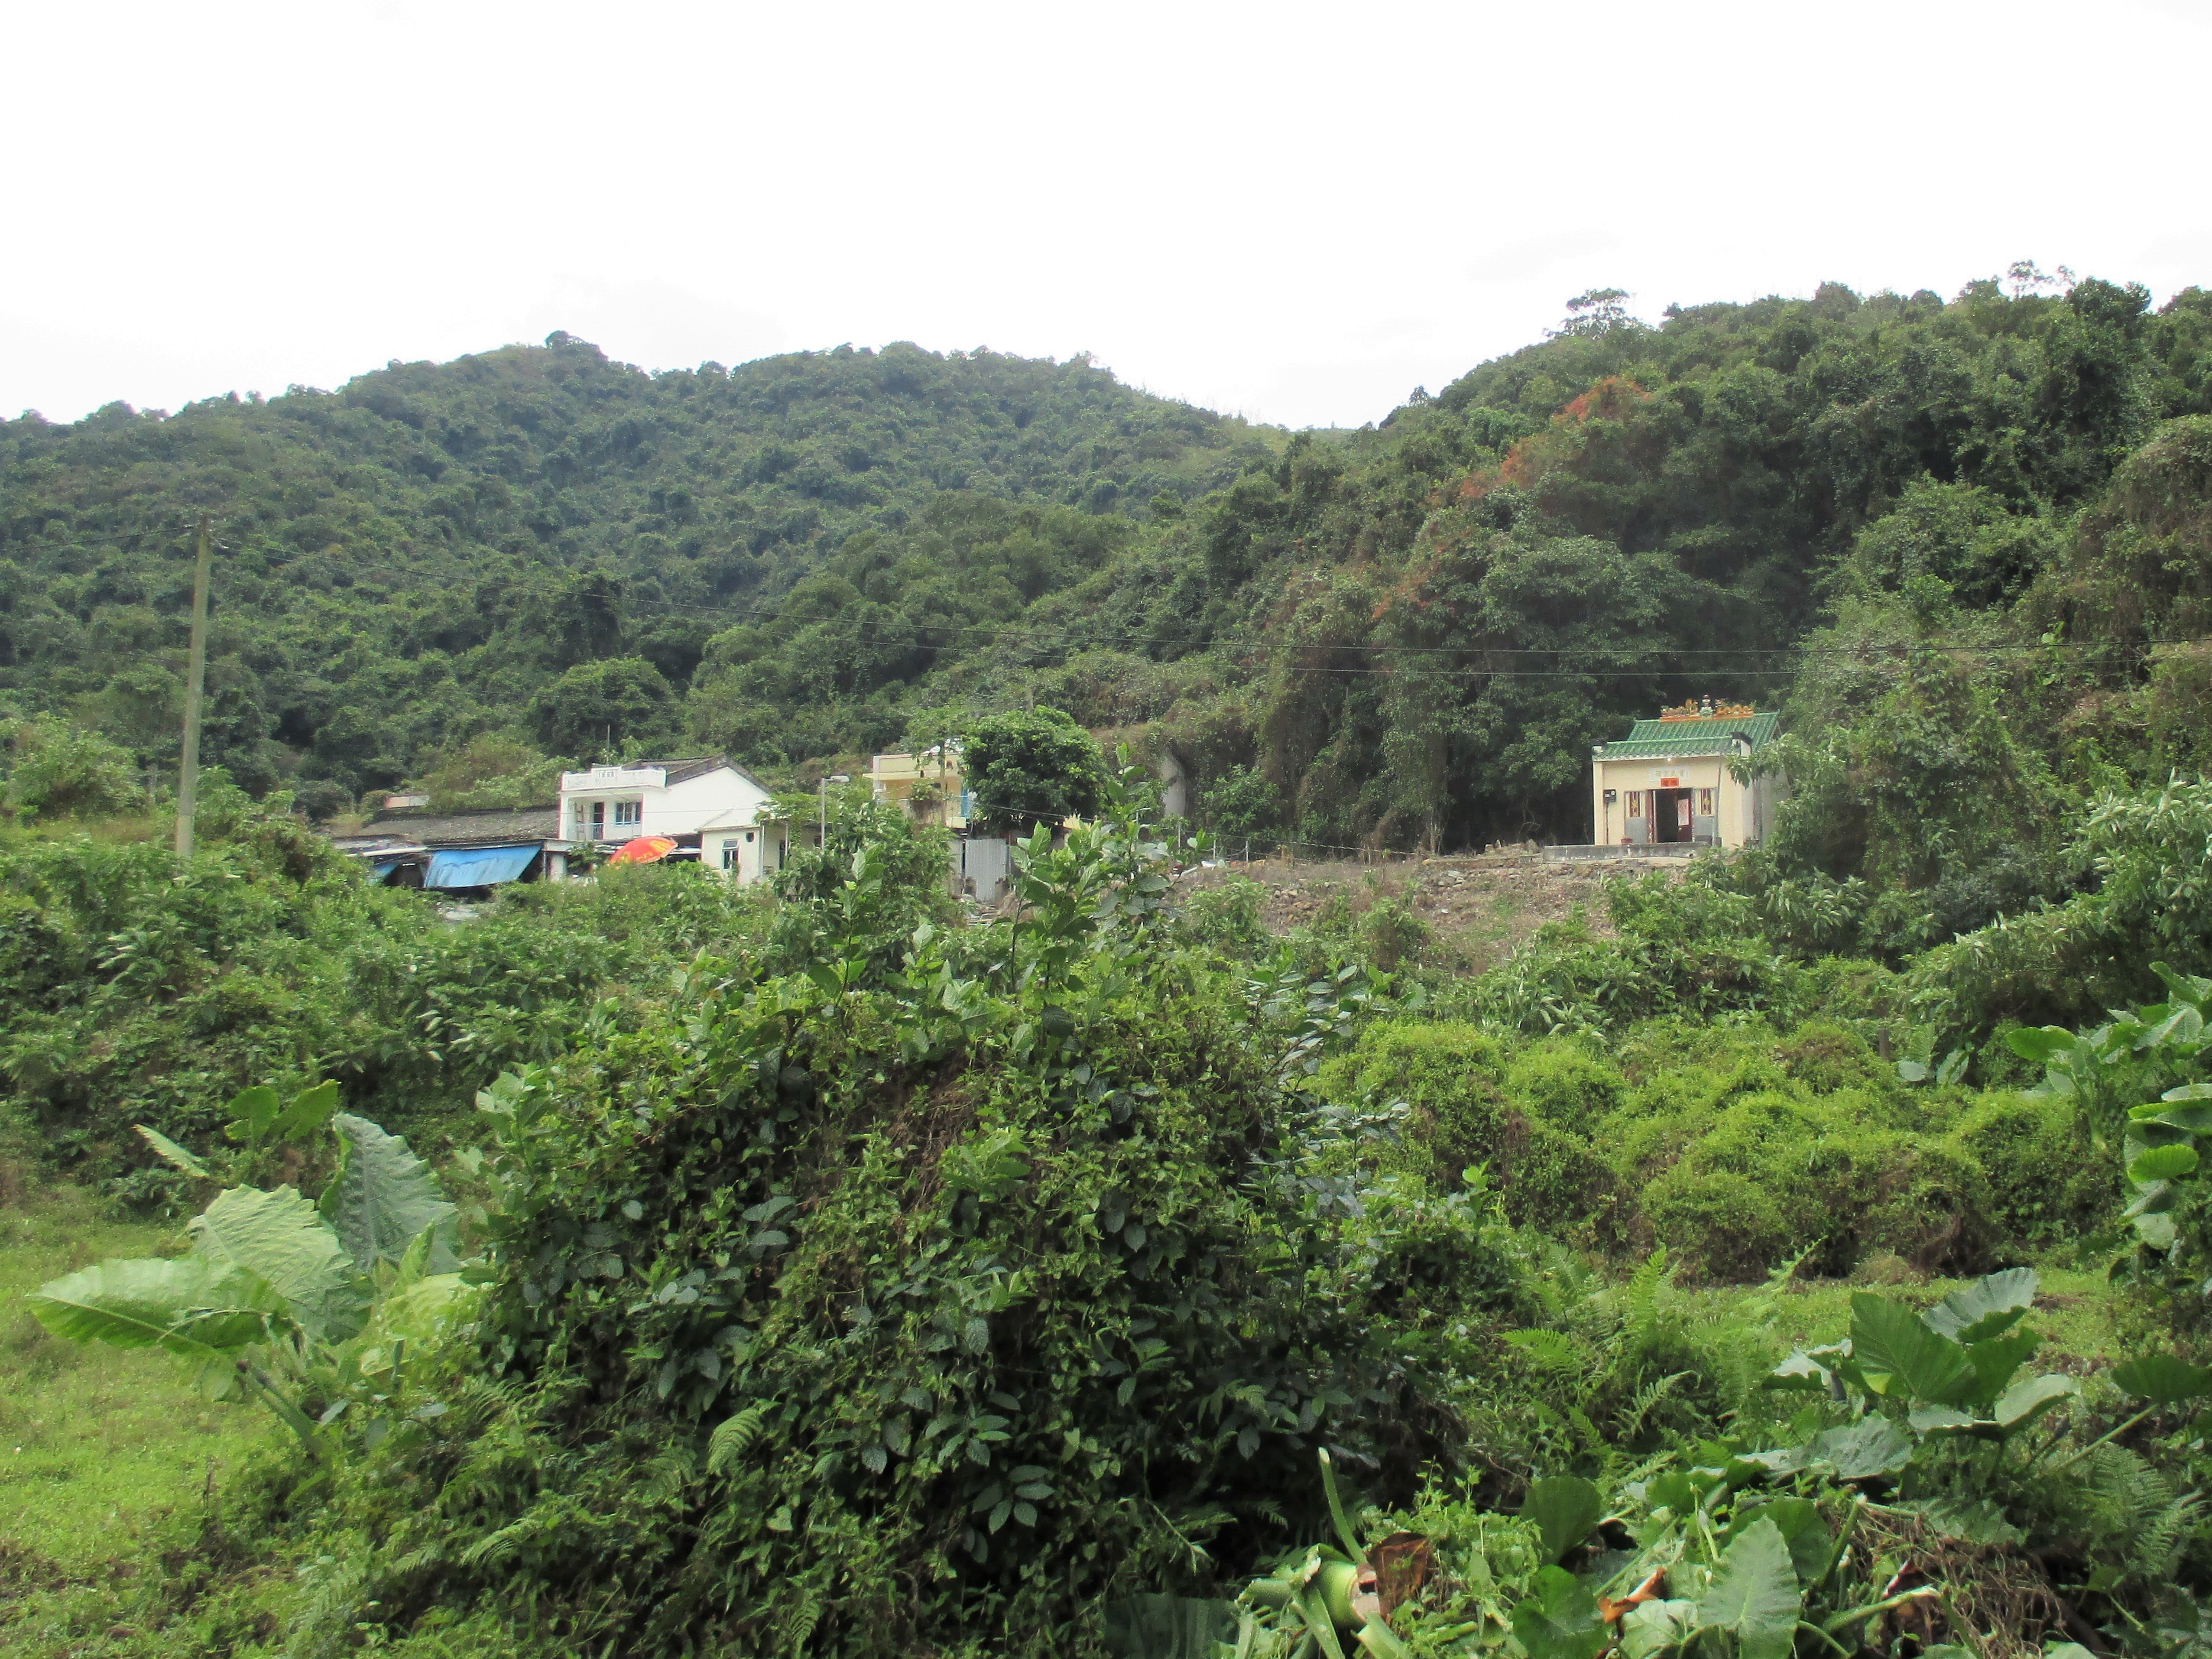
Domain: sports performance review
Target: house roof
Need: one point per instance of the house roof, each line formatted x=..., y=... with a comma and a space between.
x=682, y=771
x=1652, y=739
x=477, y=827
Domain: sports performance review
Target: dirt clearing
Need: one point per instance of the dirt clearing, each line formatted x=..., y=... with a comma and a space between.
x=1480, y=907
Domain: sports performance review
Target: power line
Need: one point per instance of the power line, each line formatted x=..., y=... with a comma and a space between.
x=990, y=635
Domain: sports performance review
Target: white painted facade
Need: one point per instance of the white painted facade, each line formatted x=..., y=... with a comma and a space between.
x=711, y=805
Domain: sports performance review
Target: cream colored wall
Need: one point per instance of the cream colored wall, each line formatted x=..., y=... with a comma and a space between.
x=892, y=779
x=1732, y=803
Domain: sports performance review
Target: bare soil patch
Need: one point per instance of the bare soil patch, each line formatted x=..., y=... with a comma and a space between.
x=1482, y=907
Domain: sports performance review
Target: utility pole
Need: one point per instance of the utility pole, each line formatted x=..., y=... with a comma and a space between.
x=834, y=777
x=188, y=775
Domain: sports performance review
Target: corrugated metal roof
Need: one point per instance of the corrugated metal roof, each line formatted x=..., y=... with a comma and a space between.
x=1650, y=740
x=477, y=826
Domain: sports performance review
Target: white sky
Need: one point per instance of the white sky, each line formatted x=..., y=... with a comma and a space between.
x=1298, y=212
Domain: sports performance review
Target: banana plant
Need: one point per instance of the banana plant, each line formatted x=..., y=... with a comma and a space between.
x=292, y=1303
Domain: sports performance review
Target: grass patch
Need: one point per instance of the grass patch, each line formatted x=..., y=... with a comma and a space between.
x=2073, y=1312
x=109, y=1461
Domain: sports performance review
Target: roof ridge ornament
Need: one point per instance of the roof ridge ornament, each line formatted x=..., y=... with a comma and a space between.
x=1706, y=709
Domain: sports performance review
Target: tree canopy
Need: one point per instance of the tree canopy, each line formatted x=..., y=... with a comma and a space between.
x=1031, y=765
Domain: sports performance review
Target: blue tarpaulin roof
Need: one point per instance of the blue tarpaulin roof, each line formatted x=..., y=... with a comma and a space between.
x=478, y=866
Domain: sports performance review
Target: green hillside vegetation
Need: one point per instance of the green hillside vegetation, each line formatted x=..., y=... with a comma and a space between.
x=421, y=555
x=1802, y=1254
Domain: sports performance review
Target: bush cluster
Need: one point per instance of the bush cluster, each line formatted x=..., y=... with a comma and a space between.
x=1735, y=1149
x=135, y=988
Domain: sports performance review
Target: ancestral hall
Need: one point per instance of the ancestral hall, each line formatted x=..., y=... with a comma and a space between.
x=1668, y=780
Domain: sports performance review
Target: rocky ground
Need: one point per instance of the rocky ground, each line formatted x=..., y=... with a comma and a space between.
x=1479, y=907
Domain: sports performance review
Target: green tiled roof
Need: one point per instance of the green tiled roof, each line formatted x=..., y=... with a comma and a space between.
x=1653, y=738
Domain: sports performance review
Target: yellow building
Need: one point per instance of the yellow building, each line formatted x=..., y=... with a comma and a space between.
x=1668, y=780
x=929, y=786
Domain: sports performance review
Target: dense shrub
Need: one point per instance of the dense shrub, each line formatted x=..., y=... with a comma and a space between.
x=1010, y=1274
x=1226, y=917
x=1565, y=1085
x=136, y=989
x=1447, y=1082
x=2148, y=855
x=54, y=770
x=1734, y=1149
x=2046, y=1181
x=1679, y=947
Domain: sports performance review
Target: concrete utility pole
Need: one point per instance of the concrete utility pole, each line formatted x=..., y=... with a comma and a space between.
x=823, y=832
x=188, y=775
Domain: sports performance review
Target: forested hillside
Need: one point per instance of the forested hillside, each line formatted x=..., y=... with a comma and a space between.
x=1798, y=1253
x=423, y=554
x=1416, y=633
x=1963, y=542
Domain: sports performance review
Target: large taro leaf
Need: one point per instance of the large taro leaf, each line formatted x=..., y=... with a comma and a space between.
x=1560, y=1618
x=1989, y=1307
x=1904, y=1359
x=170, y=1152
x=2029, y=1398
x=2163, y=1162
x=195, y=1307
x=418, y=1316
x=1872, y=1446
x=1753, y=1592
x=1651, y=1627
x=1564, y=1507
x=2002, y=1418
x=2163, y=1379
x=278, y=1236
x=1995, y=1359
x=383, y=1197
x=1798, y=1519
x=253, y=1111
x=309, y=1110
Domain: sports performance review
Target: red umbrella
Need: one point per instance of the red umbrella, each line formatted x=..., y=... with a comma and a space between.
x=646, y=849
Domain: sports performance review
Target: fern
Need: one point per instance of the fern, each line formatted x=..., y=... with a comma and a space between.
x=499, y=1549
x=798, y=1624
x=734, y=1437
x=1554, y=1350
x=2152, y=1556
x=1647, y=1398
x=1639, y=1297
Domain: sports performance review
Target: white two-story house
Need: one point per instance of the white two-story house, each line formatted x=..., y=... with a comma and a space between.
x=711, y=810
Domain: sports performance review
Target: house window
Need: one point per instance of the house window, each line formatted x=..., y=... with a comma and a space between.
x=749, y=837
x=598, y=820
x=1705, y=803
x=1636, y=803
x=730, y=855
x=626, y=812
